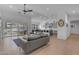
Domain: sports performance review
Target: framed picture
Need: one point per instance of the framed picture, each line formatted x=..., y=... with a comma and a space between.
x=72, y=25
x=61, y=23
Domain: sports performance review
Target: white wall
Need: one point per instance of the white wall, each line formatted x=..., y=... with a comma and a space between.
x=68, y=29
x=37, y=20
x=64, y=32
x=68, y=25
x=75, y=29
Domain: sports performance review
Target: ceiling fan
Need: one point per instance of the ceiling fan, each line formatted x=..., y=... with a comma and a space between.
x=25, y=11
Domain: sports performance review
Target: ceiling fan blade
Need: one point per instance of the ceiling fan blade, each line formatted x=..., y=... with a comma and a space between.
x=29, y=10
x=24, y=10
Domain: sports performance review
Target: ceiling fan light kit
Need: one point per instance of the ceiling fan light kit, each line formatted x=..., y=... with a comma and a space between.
x=25, y=11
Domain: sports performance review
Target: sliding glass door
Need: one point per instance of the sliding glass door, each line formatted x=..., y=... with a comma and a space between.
x=8, y=29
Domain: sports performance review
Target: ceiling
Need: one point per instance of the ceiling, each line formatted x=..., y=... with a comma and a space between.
x=54, y=10
x=40, y=10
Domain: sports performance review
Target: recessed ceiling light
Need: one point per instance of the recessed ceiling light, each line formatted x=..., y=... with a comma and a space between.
x=73, y=11
x=10, y=6
x=47, y=9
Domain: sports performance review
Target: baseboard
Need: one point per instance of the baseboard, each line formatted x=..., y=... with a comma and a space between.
x=74, y=34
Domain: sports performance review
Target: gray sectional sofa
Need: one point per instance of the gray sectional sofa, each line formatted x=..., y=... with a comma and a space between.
x=34, y=42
